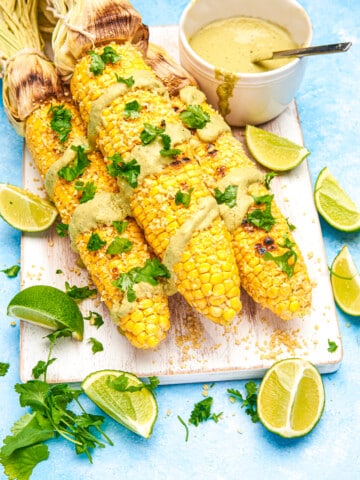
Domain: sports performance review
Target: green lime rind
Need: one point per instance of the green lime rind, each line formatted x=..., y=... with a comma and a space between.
x=48, y=307
x=291, y=398
x=345, y=282
x=136, y=411
x=272, y=151
x=334, y=204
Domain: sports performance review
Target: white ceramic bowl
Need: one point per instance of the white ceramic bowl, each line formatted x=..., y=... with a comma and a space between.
x=256, y=97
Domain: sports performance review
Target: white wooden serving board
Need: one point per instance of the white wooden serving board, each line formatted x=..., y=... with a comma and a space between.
x=195, y=350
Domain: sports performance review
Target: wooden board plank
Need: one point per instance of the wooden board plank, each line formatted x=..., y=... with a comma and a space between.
x=195, y=350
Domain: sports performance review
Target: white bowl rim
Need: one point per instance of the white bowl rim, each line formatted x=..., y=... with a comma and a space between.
x=265, y=76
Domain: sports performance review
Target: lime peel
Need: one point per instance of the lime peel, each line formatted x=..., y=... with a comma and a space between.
x=136, y=410
x=273, y=151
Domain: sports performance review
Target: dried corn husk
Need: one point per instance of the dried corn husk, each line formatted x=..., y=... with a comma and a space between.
x=28, y=77
x=85, y=24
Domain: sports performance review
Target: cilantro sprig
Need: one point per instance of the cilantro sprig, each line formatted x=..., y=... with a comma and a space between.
x=149, y=273
x=127, y=170
x=249, y=402
x=132, y=109
x=99, y=61
x=151, y=133
x=129, y=82
x=194, y=117
x=77, y=167
x=87, y=190
x=262, y=217
x=228, y=196
x=202, y=412
x=79, y=293
x=61, y=121
x=287, y=260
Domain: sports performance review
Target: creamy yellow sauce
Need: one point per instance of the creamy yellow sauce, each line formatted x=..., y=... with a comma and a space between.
x=234, y=43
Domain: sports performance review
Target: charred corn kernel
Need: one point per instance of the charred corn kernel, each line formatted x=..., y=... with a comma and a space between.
x=264, y=280
x=153, y=200
x=44, y=145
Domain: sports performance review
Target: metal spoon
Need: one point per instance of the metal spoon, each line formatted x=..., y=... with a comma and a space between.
x=302, y=52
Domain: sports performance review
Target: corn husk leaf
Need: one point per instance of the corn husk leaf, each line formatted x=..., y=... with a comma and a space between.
x=28, y=77
x=85, y=24
x=173, y=76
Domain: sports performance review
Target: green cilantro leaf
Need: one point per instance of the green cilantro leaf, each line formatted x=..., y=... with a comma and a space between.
x=77, y=167
x=194, y=117
x=119, y=245
x=11, y=272
x=332, y=346
x=79, y=293
x=228, y=196
x=41, y=367
x=290, y=225
x=96, y=346
x=127, y=170
x=95, y=319
x=88, y=190
x=149, y=273
x=150, y=133
x=183, y=198
x=62, y=229
x=268, y=177
x=95, y=242
x=132, y=109
x=202, y=412
x=287, y=260
x=167, y=151
x=262, y=218
x=129, y=82
x=250, y=401
x=98, y=62
x=4, y=367
x=121, y=226
x=61, y=121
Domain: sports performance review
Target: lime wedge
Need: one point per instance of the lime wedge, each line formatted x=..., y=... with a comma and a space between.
x=291, y=398
x=136, y=410
x=345, y=281
x=47, y=307
x=334, y=204
x=272, y=151
x=24, y=210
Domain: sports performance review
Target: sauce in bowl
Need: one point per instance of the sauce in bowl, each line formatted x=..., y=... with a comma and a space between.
x=234, y=44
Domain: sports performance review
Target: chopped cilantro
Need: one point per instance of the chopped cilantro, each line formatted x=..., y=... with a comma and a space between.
x=96, y=346
x=150, y=133
x=149, y=273
x=167, y=151
x=62, y=229
x=127, y=170
x=132, y=109
x=183, y=198
x=228, y=196
x=250, y=401
x=287, y=260
x=4, y=367
x=98, y=62
x=88, y=190
x=129, y=82
x=268, y=177
x=262, y=218
x=95, y=319
x=120, y=226
x=186, y=428
x=61, y=121
x=79, y=293
x=194, y=117
x=290, y=225
x=11, y=272
x=119, y=245
x=58, y=271
x=332, y=346
x=202, y=412
x=77, y=167
x=95, y=242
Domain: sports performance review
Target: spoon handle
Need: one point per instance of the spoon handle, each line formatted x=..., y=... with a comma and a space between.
x=317, y=50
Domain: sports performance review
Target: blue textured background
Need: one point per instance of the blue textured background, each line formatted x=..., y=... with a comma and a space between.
x=234, y=448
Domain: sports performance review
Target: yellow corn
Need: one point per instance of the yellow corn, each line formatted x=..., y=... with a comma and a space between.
x=153, y=204
x=147, y=323
x=266, y=282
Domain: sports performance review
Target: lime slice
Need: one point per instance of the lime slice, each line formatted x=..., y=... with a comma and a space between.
x=135, y=410
x=47, y=307
x=291, y=398
x=24, y=210
x=345, y=281
x=272, y=151
x=334, y=204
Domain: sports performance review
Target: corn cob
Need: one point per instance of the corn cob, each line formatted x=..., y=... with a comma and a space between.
x=147, y=323
x=285, y=291
x=205, y=274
